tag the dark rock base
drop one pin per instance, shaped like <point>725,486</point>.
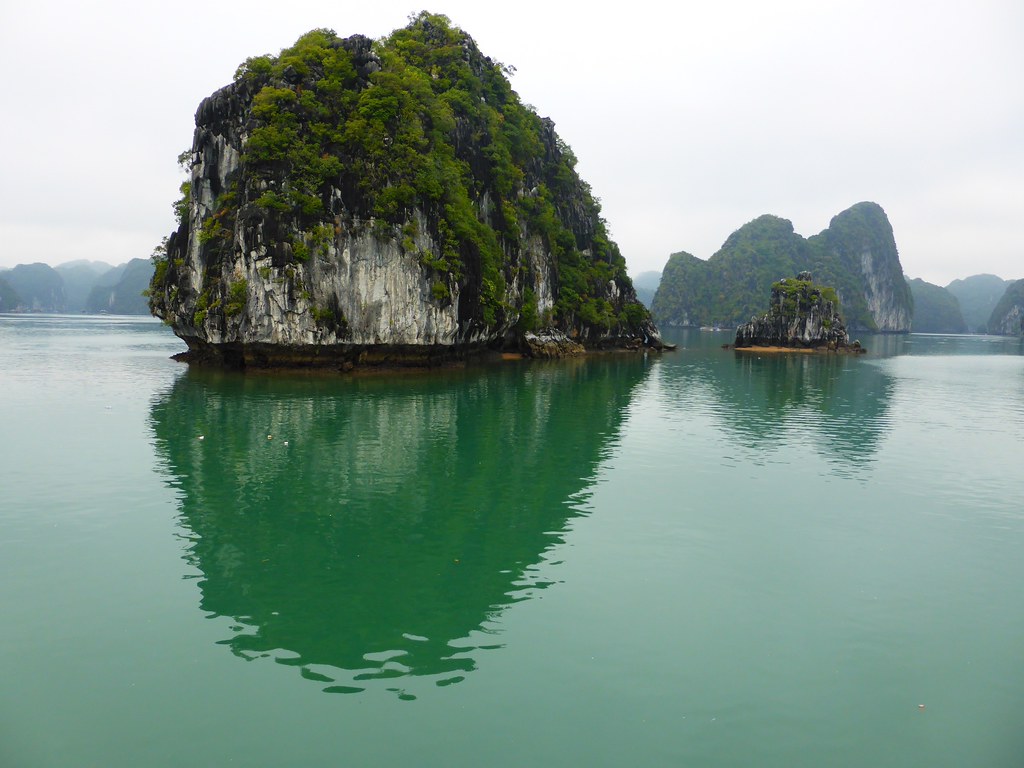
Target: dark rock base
<point>350,357</point>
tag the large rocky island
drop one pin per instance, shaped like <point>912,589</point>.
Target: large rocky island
<point>353,203</point>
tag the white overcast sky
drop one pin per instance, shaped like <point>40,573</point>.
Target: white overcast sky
<point>689,118</point>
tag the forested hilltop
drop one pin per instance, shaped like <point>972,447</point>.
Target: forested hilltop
<point>348,195</point>
<point>936,310</point>
<point>857,255</point>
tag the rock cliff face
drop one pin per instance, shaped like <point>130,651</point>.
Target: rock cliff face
<point>1008,316</point>
<point>861,239</point>
<point>857,254</point>
<point>353,203</point>
<point>800,314</point>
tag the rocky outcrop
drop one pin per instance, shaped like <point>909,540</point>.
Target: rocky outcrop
<point>800,315</point>
<point>344,206</point>
<point>551,343</point>
<point>1008,316</point>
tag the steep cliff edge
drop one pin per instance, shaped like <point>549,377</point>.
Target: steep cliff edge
<point>861,240</point>
<point>857,255</point>
<point>352,202</point>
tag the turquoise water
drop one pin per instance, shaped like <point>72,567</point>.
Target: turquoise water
<point>706,558</point>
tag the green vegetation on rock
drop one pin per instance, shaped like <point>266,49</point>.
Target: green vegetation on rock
<point>800,313</point>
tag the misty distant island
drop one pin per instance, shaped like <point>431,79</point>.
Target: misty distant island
<point>856,254</point>
<point>92,287</point>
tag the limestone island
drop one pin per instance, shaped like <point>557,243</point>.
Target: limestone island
<point>802,317</point>
<point>353,203</point>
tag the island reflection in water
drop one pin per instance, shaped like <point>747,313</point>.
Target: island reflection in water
<point>367,529</point>
<point>767,402</point>
<point>836,403</point>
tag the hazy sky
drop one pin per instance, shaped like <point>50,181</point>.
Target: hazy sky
<point>689,119</point>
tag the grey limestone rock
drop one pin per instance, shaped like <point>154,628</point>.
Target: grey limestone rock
<point>800,314</point>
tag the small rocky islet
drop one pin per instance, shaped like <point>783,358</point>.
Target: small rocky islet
<point>801,316</point>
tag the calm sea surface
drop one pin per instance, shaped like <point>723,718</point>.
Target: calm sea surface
<point>699,559</point>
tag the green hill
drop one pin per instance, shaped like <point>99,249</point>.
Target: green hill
<point>856,254</point>
<point>936,310</point>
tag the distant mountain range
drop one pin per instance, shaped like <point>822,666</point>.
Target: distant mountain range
<point>975,304</point>
<point>978,296</point>
<point>856,255</point>
<point>77,286</point>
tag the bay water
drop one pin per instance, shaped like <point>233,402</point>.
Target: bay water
<point>704,558</point>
